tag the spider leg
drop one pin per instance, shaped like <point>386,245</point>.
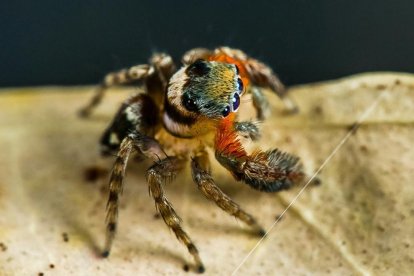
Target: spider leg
<point>194,54</point>
<point>211,191</point>
<point>156,176</point>
<point>164,168</point>
<point>115,189</point>
<point>263,76</point>
<point>260,103</point>
<point>268,171</point>
<point>151,149</point>
<point>138,113</point>
<point>160,64</point>
<point>248,130</point>
<point>115,78</point>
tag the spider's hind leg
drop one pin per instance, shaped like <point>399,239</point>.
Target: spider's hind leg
<point>160,64</point>
<point>263,76</point>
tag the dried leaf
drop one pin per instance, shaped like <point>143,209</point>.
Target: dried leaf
<point>359,221</point>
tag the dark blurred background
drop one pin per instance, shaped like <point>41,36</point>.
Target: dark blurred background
<point>77,42</point>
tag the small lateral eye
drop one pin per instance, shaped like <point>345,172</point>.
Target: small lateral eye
<point>198,68</point>
<point>237,69</point>
<point>236,101</point>
<point>240,83</point>
<point>226,111</point>
<point>189,104</point>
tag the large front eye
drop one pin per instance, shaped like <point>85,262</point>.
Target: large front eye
<point>189,104</point>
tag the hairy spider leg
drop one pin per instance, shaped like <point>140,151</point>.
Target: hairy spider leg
<point>165,168</point>
<point>206,184</point>
<point>161,66</point>
<point>267,171</point>
<point>157,175</point>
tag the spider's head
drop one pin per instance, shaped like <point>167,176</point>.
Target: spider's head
<point>200,94</point>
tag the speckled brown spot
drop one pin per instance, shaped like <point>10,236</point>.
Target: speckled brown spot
<point>318,110</point>
<point>380,228</point>
<point>288,139</point>
<point>363,148</point>
<point>316,182</point>
<point>65,237</point>
<point>3,247</point>
<point>353,128</point>
<point>381,86</point>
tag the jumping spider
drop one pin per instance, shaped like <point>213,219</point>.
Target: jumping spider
<point>179,115</point>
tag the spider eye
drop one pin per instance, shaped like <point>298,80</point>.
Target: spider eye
<point>236,101</point>
<point>226,111</point>
<point>240,83</point>
<point>198,68</point>
<point>237,69</point>
<point>189,104</point>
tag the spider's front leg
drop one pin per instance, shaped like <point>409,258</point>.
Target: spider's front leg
<point>161,67</point>
<point>205,182</point>
<point>156,177</point>
<point>267,171</point>
<point>151,149</point>
<point>164,168</point>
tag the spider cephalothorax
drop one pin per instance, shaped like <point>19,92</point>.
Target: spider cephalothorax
<point>183,112</point>
<point>200,94</point>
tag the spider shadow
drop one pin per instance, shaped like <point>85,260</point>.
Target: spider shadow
<point>158,254</point>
